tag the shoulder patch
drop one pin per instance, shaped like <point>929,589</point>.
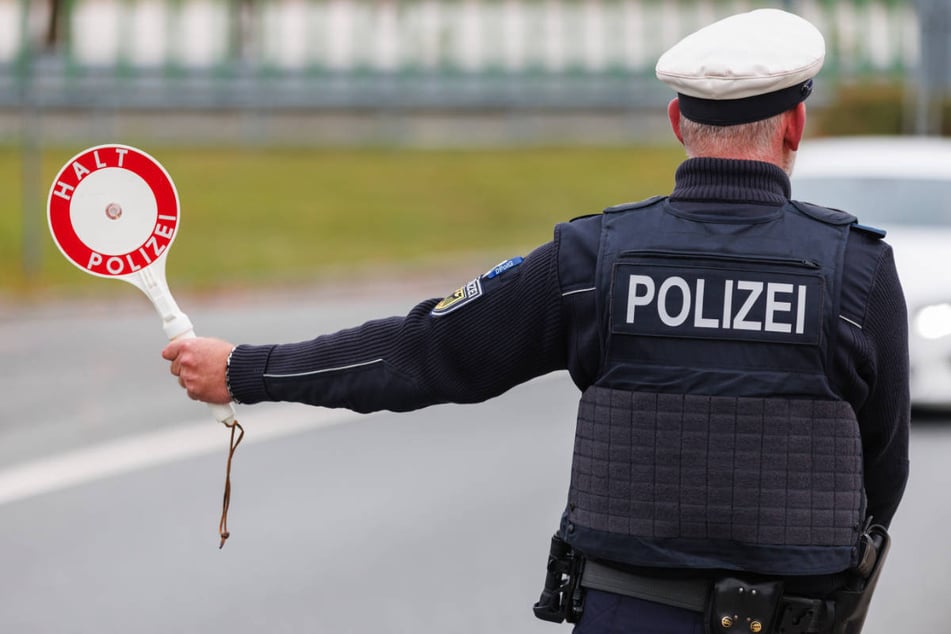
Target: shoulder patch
<point>502,267</point>
<point>463,295</point>
<point>635,205</point>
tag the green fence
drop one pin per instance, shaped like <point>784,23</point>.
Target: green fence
<point>407,53</point>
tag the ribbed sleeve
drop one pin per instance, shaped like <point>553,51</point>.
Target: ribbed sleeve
<point>885,415</point>
<point>246,373</point>
<point>509,334</point>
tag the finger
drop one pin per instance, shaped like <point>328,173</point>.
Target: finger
<point>193,392</point>
<point>172,350</point>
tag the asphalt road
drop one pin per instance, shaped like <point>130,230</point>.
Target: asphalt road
<point>432,521</point>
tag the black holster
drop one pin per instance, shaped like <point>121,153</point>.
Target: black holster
<point>761,606</point>
<point>562,598</point>
<point>852,602</point>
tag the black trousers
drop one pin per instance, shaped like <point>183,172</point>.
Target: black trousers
<point>609,613</point>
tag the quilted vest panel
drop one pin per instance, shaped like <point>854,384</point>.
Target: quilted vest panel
<point>712,436</point>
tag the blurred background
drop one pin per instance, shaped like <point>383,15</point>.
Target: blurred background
<point>337,161</point>
<point>256,91</point>
<point>405,71</point>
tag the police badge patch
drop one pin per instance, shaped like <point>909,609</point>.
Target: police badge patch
<point>460,298</point>
<point>502,267</point>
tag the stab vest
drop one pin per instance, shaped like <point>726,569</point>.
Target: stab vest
<point>712,437</point>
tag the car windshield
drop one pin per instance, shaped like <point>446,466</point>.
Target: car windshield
<point>882,202</point>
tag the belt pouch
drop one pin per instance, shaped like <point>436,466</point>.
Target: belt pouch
<point>738,606</point>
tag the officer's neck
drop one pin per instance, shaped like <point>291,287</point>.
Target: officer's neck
<point>732,180</point>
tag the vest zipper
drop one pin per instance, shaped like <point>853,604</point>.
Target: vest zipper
<point>750,259</point>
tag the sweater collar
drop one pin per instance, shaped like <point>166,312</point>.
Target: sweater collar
<point>731,180</point>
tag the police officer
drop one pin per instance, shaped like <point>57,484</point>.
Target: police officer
<point>741,357</point>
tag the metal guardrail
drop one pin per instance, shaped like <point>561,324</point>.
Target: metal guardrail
<point>403,54</point>
<point>52,85</point>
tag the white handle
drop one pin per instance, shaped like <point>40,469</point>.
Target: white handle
<point>177,325</point>
<point>224,414</point>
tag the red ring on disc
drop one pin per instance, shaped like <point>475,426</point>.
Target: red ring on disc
<point>71,178</point>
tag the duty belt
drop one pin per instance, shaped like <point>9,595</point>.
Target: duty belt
<point>690,594</point>
<point>796,615</point>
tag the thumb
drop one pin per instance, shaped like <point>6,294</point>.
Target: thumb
<point>171,350</point>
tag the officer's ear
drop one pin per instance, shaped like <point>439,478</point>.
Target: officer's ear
<point>794,121</point>
<point>673,113</point>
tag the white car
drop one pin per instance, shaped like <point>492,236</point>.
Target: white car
<point>901,185</point>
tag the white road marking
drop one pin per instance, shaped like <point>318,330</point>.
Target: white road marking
<point>188,440</point>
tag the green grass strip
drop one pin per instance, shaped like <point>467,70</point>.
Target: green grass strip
<point>253,217</point>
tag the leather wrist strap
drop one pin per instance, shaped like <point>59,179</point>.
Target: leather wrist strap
<point>226,502</point>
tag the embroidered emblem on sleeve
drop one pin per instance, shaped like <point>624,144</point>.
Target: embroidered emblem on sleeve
<point>462,296</point>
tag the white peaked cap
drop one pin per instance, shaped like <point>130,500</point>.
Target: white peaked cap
<point>745,67</point>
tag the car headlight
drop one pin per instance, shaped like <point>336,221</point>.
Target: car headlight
<point>934,321</point>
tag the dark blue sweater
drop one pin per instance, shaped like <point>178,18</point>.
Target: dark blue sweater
<point>523,323</point>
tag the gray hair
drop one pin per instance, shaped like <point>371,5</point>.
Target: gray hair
<point>754,141</point>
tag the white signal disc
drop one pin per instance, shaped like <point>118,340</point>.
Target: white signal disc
<point>113,209</point>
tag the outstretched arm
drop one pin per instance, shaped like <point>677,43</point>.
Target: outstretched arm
<point>464,351</point>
